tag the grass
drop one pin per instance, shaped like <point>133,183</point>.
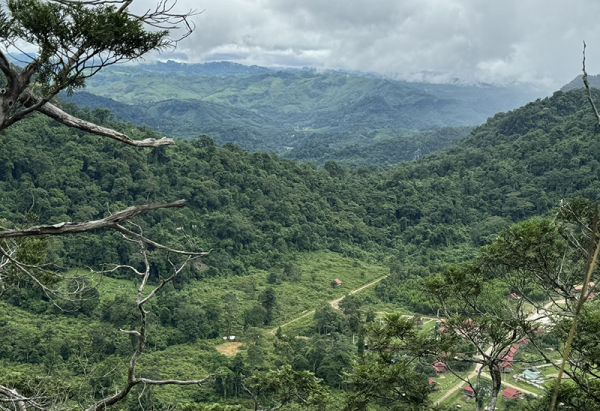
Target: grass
<point>446,383</point>
<point>294,298</point>
<point>525,386</point>
<point>109,287</point>
<point>468,404</point>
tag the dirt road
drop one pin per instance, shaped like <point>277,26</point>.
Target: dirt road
<point>334,303</point>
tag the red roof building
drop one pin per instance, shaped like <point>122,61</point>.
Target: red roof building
<point>506,367</point>
<point>578,288</point>
<point>510,353</point>
<point>338,281</point>
<point>468,391</point>
<point>511,393</point>
<point>439,367</point>
<point>515,296</point>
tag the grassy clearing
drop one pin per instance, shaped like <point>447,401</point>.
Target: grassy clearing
<point>109,287</point>
<point>229,349</point>
<point>446,382</point>
<point>294,298</point>
<point>525,386</point>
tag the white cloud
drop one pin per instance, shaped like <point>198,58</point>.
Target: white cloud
<point>474,40</point>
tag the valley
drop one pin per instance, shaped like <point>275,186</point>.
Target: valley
<point>280,232</point>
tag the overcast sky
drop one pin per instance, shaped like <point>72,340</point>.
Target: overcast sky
<point>434,40</point>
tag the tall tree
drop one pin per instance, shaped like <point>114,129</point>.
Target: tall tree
<point>73,40</point>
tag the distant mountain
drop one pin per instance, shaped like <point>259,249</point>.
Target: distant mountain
<point>265,109</point>
<point>577,82</point>
<point>19,59</point>
<point>220,69</point>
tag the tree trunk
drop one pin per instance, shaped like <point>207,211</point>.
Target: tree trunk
<point>496,383</point>
<point>478,393</point>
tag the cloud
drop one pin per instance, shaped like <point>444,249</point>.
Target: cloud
<point>536,41</point>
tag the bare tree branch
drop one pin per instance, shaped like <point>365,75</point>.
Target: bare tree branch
<point>13,396</point>
<point>71,121</point>
<point>73,228</point>
<point>141,335</point>
<point>587,87</point>
<point>134,235</point>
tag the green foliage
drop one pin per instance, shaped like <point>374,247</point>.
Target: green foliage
<point>57,29</point>
<point>286,386</point>
<point>386,376</point>
<point>258,212</point>
<point>328,320</point>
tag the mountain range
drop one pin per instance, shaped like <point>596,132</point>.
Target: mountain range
<point>291,111</point>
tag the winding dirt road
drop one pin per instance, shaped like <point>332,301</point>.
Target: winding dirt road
<point>334,303</point>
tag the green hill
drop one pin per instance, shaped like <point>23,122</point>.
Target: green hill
<point>274,226</point>
<point>256,207</point>
<point>278,111</point>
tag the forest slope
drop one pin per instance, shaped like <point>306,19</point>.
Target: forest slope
<point>273,225</point>
<point>254,208</point>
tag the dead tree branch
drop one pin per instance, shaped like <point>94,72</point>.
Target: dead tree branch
<point>142,299</point>
<point>587,87</point>
<point>108,222</point>
<point>71,121</point>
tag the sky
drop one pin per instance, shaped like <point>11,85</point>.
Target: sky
<point>492,41</point>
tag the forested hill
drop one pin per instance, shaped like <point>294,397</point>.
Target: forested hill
<point>254,209</point>
<point>279,111</point>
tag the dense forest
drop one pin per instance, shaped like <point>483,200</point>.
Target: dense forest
<point>278,230</point>
<point>255,207</point>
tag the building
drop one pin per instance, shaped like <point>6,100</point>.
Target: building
<point>532,376</point>
<point>439,367</point>
<point>578,288</point>
<point>507,357</point>
<point>506,367</point>
<point>468,391</point>
<point>511,393</point>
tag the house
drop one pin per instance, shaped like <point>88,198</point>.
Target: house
<point>434,386</point>
<point>337,282</point>
<point>511,393</point>
<point>468,391</point>
<point>439,367</point>
<point>506,367</point>
<point>515,296</point>
<point>509,354</point>
<point>532,376</point>
<point>579,287</point>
